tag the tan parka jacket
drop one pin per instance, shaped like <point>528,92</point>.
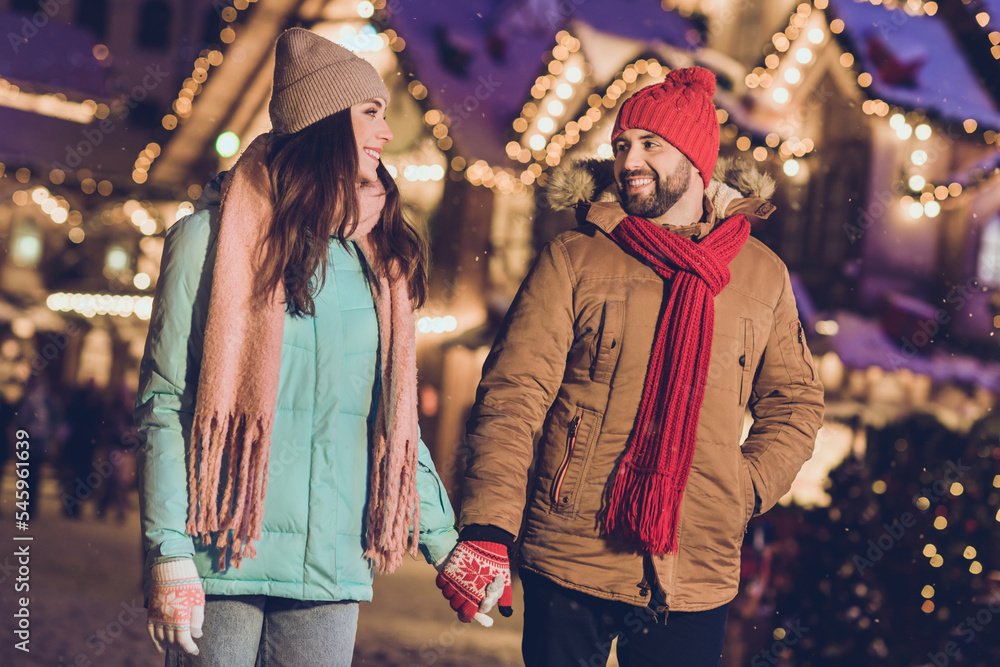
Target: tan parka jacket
<point>570,361</point>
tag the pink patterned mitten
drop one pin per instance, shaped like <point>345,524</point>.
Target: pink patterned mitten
<point>176,606</point>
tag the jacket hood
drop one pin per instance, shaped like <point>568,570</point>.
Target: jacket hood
<point>737,186</point>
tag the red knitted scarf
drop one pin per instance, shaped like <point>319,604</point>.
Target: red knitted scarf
<point>649,486</point>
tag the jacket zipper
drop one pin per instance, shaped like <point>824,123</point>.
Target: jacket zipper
<point>802,352</point>
<point>574,428</point>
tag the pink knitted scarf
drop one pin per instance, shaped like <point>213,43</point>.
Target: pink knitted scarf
<point>238,386</point>
<point>647,492</point>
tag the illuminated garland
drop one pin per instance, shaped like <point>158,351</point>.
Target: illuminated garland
<point>541,116</point>
<point>143,215</point>
<point>190,89</point>
<point>599,105</point>
<point>798,41</point>
<point>923,197</point>
<point>480,173</point>
<point>875,106</point>
<point>89,305</point>
<point>55,207</point>
<point>550,154</point>
<point>911,7</point>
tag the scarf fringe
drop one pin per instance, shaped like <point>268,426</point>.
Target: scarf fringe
<point>643,497</point>
<point>234,526</point>
<point>387,546</point>
<point>393,520</point>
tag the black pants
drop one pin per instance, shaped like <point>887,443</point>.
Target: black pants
<point>566,628</point>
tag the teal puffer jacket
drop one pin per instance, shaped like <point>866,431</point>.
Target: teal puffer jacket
<point>311,545</point>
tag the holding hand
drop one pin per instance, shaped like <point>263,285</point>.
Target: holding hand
<point>474,578</point>
<point>176,606</point>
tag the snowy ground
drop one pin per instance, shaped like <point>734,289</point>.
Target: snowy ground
<point>86,602</point>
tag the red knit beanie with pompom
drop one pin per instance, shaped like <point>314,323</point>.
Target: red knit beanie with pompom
<point>681,111</point>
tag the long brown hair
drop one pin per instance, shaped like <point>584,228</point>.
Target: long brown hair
<point>314,174</point>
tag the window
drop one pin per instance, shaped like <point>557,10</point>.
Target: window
<point>93,15</point>
<point>154,25</point>
<point>988,267</point>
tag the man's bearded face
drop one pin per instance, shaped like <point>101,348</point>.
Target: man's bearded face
<point>639,200</point>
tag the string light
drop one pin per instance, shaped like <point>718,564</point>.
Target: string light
<point>927,195</point>
<point>89,305</point>
<point>551,153</point>
<point>54,105</point>
<point>804,32</point>
<point>366,39</point>
<point>423,172</point>
<point>540,115</point>
<point>539,119</point>
<point>55,207</point>
<point>911,7</point>
<point>502,181</point>
<point>192,86</point>
<point>865,79</point>
<point>445,324</point>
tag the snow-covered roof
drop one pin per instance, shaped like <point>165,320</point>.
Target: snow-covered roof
<point>863,343</point>
<point>888,41</point>
<point>59,58</point>
<point>977,172</point>
<point>55,57</point>
<point>44,143</point>
<point>483,102</point>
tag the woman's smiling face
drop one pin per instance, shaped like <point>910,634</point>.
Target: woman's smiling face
<point>371,132</point>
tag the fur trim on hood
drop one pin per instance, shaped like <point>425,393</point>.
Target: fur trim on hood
<point>737,186</point>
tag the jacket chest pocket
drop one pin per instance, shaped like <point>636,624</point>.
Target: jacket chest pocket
<point>745,361</point>
<point>608,342</point>
<point>581,435</point>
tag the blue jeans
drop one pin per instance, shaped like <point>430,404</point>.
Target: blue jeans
<point>567,628</point>
<point>249,630</point>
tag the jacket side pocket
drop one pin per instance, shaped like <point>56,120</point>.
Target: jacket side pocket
<point>609,342</point>
<point>580,433</point>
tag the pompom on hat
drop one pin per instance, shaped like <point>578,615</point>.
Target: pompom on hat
<point>315,78</point>
<point>681,111</point>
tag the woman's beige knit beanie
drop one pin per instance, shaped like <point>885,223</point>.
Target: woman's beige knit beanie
<point>315,78</point>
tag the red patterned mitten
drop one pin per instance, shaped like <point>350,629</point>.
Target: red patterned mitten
<point>467,579</point>
<point>176,606</point>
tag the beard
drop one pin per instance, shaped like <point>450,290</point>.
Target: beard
<point>666,192</point>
